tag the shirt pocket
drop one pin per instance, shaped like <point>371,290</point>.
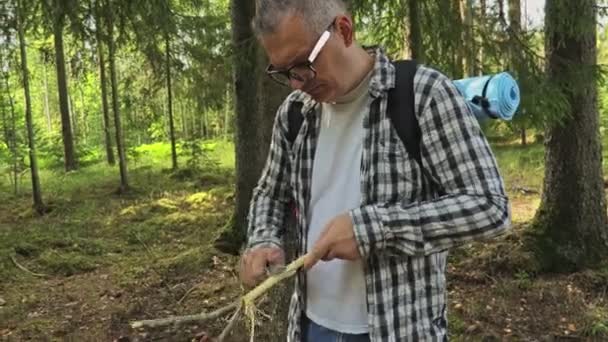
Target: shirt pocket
<point>398,176</point>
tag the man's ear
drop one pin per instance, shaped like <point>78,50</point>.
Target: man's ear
<point>343,26</point>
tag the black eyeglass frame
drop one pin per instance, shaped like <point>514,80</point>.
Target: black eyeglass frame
<point>284,77</point>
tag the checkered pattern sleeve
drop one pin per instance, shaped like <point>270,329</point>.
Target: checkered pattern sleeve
<point>269,205</point>
<point>457,155</point>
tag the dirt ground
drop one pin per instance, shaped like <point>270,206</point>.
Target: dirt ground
<point>494,295</point>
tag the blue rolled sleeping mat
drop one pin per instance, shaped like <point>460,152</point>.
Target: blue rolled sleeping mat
<point>491,96</point>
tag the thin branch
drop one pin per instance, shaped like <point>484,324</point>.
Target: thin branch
<point>230,325</point>
<point>179,302</point>
<point>153,323</point>
<point>19,266</point>
<point>247,302</point>
<point>273,280</point>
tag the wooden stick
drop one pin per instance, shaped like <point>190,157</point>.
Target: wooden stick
<point>273,280</point>
<point>188,292</point>
<point>230,324</point>
<point>247,302</point>
<point>19,266</point>
<point>153,323</point>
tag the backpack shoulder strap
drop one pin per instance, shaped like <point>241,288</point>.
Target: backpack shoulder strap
<point>402,113</point>
<point>401,109</point>
<point>294,121</point>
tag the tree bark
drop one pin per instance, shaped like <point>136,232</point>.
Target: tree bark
<point>85,116</point>
<point>36,192</point>
<point>12,137</point>
<point>415,32</point>
<point>182,115</point>
<point>466,13</point>
<point>256,100</point>
<point>516,29</point>
<point>120,146</point>
<point>456,46</point>
<point>571,226</point>
<point>47,110</point>
<point>170,101</point>
<point>104,91</point>
<point>227,110</point>
<point>245,90</point>
<point>5,129</point>
<point>74,117</point>
<point>481,19</point>
<point>62,85</point>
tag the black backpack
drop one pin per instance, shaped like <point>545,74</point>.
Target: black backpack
<point>401,110</point>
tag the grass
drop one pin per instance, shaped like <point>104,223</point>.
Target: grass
<point>149,253</point>
<point>521,166</point>
<point>89,221</point>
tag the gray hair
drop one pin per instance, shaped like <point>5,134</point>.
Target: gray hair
<point>317,14</point>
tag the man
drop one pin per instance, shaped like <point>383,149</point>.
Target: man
<point>375,224</point>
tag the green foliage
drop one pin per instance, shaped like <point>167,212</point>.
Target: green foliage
<point>66,264</point>
<point>89,226</point>
<point>597,323</point>
<point>524,166</point>
<point>194,152</point>
<point>186,263</point>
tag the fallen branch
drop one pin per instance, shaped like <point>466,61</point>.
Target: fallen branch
<point>230,325</point>
<point>179,302</point>
<point>244,304</point>
<point>19,266</point>
<point>154,323</point>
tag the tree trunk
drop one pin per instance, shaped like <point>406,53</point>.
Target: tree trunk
<point>205,125</point>
<point>12,136</point>
<point>456,45</point>
<point>515,26</point>
<point>466,13</point>
<point>36,192</point>
<point>170,101</point>
<point>62,85</point>
<point>251,90</point>
<point>415,32</point>
<point>571,226</point>
<point>245,90</point>
<point>193,121</point>
<point>5,129</point>
<point>257,99</point>
<point>182,116</point>
<point>104,91</point>
<point>47,110</point>
<point>120,146</point>
<point>481,19</point>
<point>270,96</point>
<point>227,110</point>
<point>85,116</point>
<point>74,117</point>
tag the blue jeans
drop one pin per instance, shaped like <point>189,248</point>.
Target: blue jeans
<point>316,333</point>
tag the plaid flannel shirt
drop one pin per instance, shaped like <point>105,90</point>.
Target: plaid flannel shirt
<point>403,226</point>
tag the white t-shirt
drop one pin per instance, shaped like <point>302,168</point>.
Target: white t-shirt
<point>336,295</point>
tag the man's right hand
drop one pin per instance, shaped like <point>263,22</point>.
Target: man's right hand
<point>254,263</point>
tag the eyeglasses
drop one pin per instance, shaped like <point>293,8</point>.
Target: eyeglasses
<point>302,72</point>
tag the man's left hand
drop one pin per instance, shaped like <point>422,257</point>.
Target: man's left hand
<point>336,241</point>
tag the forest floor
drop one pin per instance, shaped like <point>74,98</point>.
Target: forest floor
<point>105,259</point>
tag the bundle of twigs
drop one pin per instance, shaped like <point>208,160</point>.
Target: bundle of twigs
<point>245,304</point>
